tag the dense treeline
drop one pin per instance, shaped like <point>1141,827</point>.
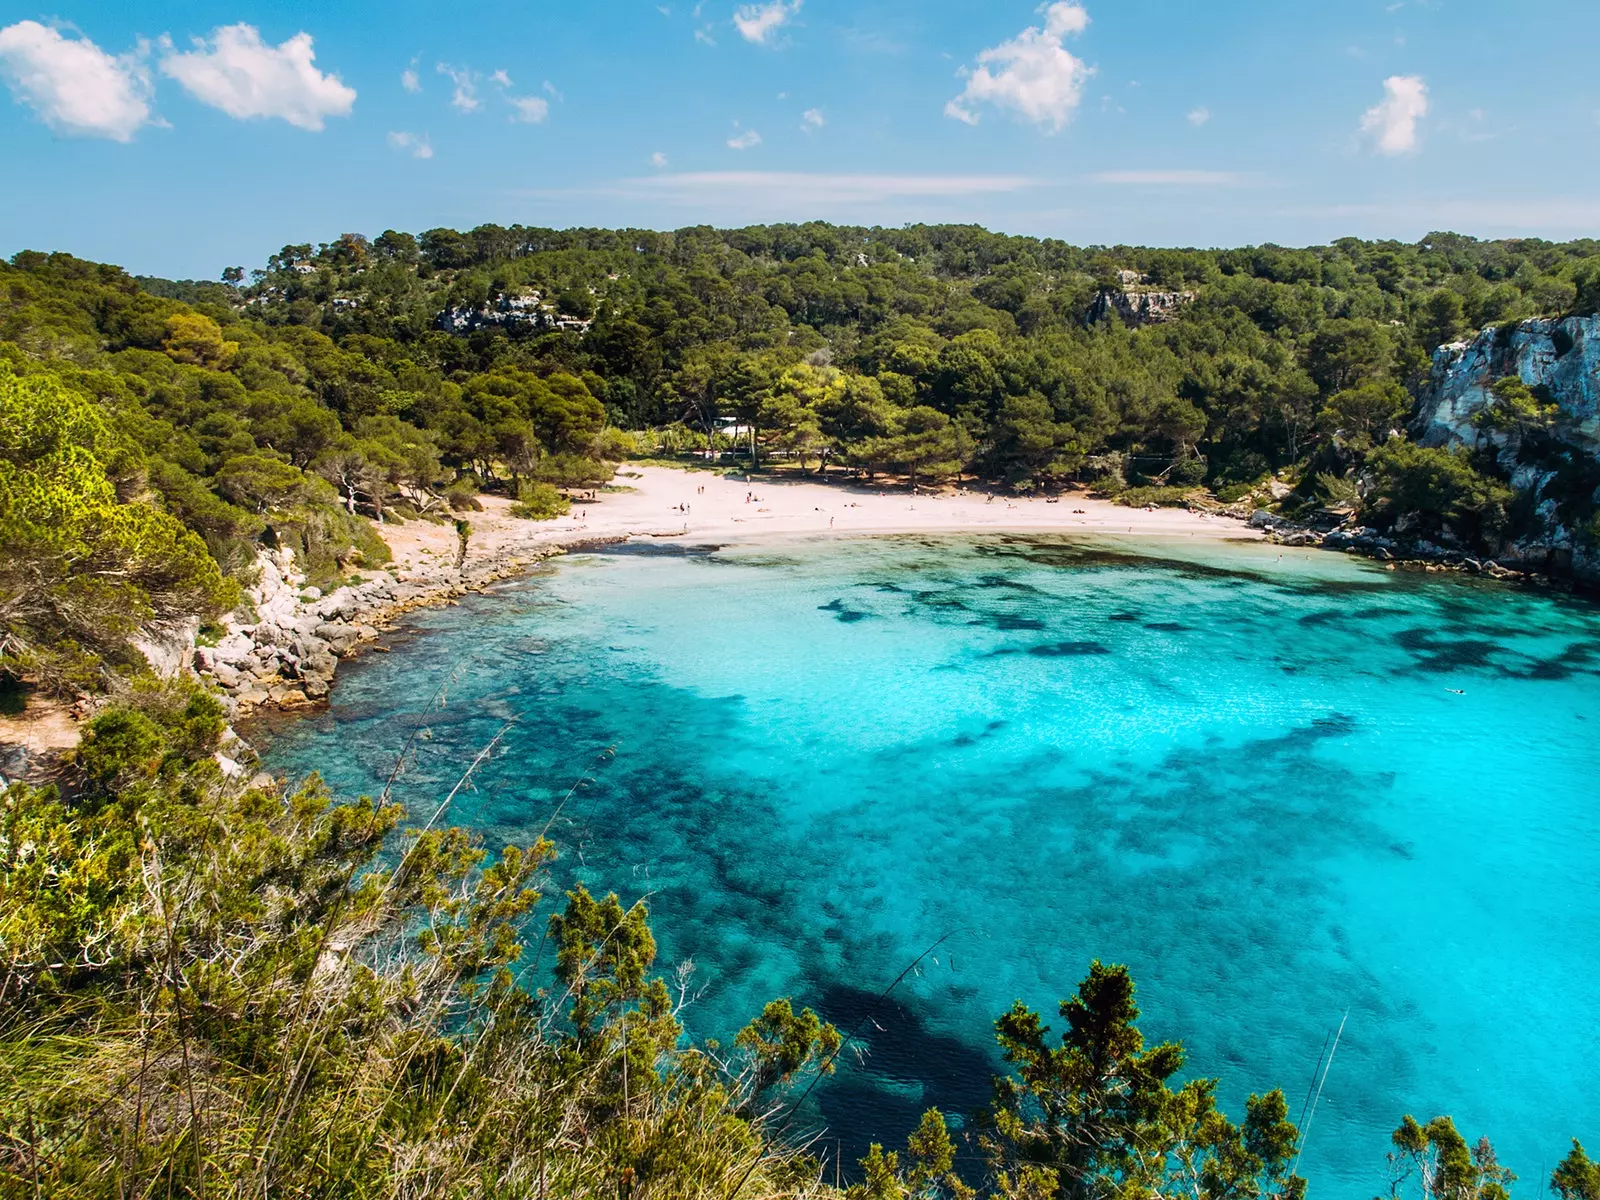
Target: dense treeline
<point>932,349</point>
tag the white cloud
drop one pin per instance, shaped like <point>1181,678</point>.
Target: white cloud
<point>1169,178</point>
<point>243,76</point>
<point>1392,125</point>
<point>704,36</point>
<point>1199,116</point>
<point>409,78</point>
<point>76,88</point>
<point>743,141</point>
<point>1032,73</point>
<point>759,23</point>
<point>528,110</point>
<point>811,119</point>
<point>500,78</point>
<point>465,96</point>
<point>414,144</point>
<point>658,159</point>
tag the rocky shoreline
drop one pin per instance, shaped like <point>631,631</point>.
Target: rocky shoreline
<point>286,658</point>
<point>1400,554</point>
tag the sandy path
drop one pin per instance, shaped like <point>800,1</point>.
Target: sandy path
<point>717,509</point>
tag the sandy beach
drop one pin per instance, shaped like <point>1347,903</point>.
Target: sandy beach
<point>708,506</point>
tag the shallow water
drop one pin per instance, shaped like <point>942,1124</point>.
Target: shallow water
<point>1243,775</point>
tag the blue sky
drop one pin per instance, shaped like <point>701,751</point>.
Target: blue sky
<point>178,138</point>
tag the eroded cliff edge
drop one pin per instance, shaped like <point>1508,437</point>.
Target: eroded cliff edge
<point>1553,464</point>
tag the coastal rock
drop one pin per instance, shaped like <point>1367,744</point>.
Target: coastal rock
<point>288,655</point>
<point>234,648</point>
<point>318,666</point>
<point>169,649</point>
<point>286,695</point>
<point>342,605</point>
<point>339,638</point>
<point>1562,357</point>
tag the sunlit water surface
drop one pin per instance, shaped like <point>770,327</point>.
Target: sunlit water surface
<point>1241,771</point>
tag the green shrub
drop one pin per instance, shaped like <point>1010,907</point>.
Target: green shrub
<point>1243,466</point>
<point>616,445</point>
<point>1162,497</point>
<point>462,496</point>
<point>1336,489</point>
<point>571,470</point>
<point>540,502</point>
<point>1440,491</point>
<point>1188,472</point>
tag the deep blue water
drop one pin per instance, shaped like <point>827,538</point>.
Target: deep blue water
<point>1242,774</point>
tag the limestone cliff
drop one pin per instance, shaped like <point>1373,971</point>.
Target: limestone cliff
<point>1139,306</point>
<point>1561,356</point>
<point>1555,474</point>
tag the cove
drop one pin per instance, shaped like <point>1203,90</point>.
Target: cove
<point>1240,770</point>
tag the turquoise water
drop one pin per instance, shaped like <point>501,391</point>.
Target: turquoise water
<point>1242,774</point>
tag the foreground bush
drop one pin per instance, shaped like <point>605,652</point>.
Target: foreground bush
<point>217,990</point>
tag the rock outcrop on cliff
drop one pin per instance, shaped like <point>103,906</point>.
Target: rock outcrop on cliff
<point>1138,306</point>
<point>1557,472</point>
<point>1560,356</point>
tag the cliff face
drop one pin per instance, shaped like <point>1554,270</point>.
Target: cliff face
<point>1561,356</point>
<point>1562,360</point>
<point>1138,307</point>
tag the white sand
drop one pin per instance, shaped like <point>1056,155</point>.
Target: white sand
<point>717,510</point>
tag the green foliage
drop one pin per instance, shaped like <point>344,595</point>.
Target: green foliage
<point>1337,489</point>
<point>1578,1176</point>
<point>1364,416</point>
<point>1161,497</point>
<point>929,1172</point>
<point>540,502</point>
<point>1444,1165</point>
<point>1515,408</point>
<point>1437,492</point>
<point>81,567</point>
<point>1096,1116</point>
<point>781,1043</point>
